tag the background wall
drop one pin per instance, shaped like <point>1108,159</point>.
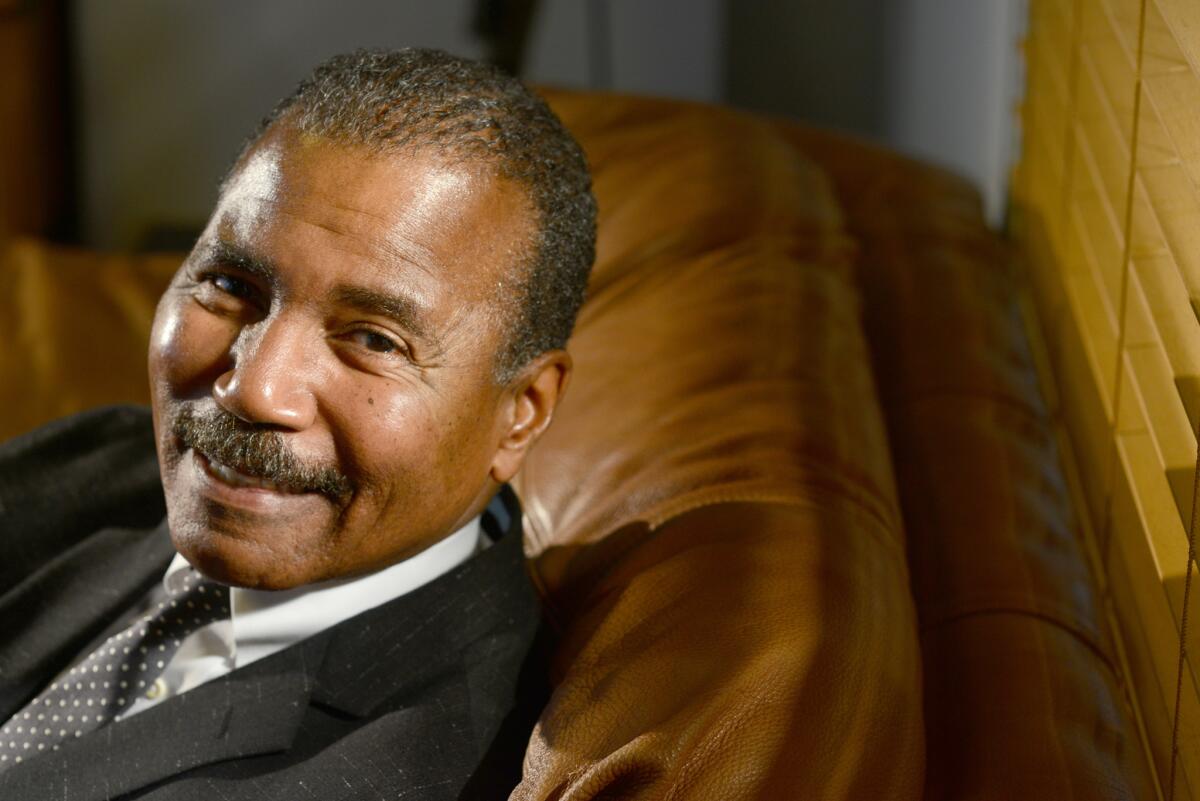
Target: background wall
<point>952,85</point>
<point>821,62</point>
<point>165,90</point>
<point>936,79</point>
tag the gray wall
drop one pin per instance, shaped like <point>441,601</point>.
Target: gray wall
<point>936,79</point>
<point>953,83</point>
<point>822,62</point>
<point>167,89</point>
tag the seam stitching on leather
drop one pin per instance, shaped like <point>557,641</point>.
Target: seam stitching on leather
<point>666,512</point>
<point>1045,617</point>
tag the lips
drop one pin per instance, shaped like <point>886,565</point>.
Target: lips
<point>235,478</point>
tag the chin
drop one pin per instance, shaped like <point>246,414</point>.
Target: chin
<point>246,538</point>
<point>238,560</point>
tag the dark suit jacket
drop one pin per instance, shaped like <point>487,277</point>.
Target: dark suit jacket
<point>417,698</point>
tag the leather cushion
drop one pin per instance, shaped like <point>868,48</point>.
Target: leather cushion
<point>1024,695</point>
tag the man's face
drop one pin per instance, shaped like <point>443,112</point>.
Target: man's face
<point>322,363</point>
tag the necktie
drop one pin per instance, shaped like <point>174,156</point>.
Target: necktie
<point>110,678</point>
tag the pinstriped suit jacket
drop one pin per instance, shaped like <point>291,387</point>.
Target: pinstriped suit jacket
<point>430,696</point>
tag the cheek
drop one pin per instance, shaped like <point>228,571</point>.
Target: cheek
<point>400,427</point>
<point>420,437</point>
<point>188,347</point>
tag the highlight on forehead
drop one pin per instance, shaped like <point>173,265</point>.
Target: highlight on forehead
<point>425,204</point>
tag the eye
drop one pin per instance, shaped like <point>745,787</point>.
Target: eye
<point>376,342</point>
<point>226,293</point>
<point>229,284</point>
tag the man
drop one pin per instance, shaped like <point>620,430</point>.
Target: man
<point>356,356</point>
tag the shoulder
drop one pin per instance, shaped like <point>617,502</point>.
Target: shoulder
<point>108,428</point>
<point>78,474</point>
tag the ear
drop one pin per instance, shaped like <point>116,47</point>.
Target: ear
<point>532,398</point>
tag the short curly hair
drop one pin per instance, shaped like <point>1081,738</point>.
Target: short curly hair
<point>392,100</point>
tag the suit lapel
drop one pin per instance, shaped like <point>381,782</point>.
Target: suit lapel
<point>52,616</point>
<point>79,500</point>
<point>255,710</point>
<point>407,642</point>
<point>377,657</point>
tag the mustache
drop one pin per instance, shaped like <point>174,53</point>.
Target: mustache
<point>256,451</point>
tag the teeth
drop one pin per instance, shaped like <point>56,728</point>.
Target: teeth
<point>236,479</point>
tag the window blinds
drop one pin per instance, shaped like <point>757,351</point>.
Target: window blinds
<point>1106,201</point>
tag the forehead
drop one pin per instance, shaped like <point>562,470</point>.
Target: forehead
<point>433,222</point>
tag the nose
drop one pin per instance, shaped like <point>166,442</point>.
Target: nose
<point>268,382</point>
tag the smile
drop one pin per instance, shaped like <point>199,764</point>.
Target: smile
<point>235,478</point>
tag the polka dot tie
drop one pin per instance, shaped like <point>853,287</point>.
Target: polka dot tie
<point>113,676</point>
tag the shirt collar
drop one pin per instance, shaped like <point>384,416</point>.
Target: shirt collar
<point>267,621</point>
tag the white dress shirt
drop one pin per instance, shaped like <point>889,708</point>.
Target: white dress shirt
<point>263,622</point>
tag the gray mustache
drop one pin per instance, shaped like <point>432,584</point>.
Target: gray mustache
<point>255,451</point>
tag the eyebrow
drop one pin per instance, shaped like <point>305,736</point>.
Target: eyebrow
<point>228,253</point>
<point>404,311</point>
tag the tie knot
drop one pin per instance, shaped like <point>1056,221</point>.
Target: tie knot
<point>191,584</point>
<point>194,597</point>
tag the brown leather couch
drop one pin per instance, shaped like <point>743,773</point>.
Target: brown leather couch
<point>800,521</point>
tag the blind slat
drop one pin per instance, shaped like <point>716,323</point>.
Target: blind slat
<point>1176,213</point>
<point>1160,50</point>
<point>1181,21</point>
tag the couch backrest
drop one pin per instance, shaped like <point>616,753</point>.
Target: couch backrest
<point>75,326</point>
<point>1024,691</point>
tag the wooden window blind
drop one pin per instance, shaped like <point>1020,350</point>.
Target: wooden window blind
<point>1106,203</point>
